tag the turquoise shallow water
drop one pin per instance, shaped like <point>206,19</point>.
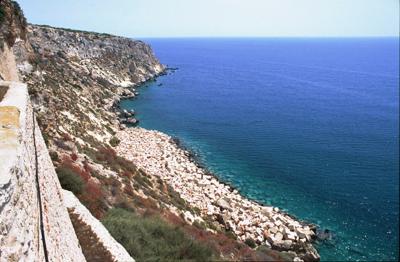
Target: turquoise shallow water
<point>309,125</point>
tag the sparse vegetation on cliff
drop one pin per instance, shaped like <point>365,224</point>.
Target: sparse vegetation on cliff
<point>2,14</point>
<point>114,141</point>
<point>69,180</point>
<point>152,239</point>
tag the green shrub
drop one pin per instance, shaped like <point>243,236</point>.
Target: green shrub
<point>2,14</point>
<point>110,130</point>
<point>114,141</point>
<point>152,239</point>
<point>200,225</point>
<point>54,156</point>
<point>69,180</point>
<point>250,242</point>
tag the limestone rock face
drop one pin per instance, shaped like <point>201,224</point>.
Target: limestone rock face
<point>119,60</point>
<point>75,80</point>
<point>76,77</point>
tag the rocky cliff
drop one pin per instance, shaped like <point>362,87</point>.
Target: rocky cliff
<point>32,213</point>
<point>76,77</point>
<point>35,224</point>
<point>75,80</point>
<point>12,28</point>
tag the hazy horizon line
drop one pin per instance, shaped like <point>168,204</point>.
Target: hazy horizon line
<point>277,36</point>
<point>204,36</point>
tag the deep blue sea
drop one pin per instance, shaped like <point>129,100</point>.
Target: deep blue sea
<point>308,125</point>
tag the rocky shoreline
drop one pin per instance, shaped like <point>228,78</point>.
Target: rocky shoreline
<point>159,155</point>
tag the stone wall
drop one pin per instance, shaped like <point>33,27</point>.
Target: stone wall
<point>24,161</point>
<point>97,243</point>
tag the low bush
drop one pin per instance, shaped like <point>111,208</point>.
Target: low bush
<point>74,157</point>
<point>114,141</point>
<point>200,225</point>
<point>94,199</point>
<point>152,239</point>
<point>250,242</point>
<point>69,180</point>
<point>2,14</point>
<point>109,158</point>
<point>54,156</point>
<point>62,144</point>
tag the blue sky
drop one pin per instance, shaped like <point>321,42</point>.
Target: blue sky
<point>223,18</point>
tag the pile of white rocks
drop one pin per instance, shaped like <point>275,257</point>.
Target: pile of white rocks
<point>158,155</point>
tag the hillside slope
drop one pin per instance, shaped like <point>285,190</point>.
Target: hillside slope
<point>76,80</point>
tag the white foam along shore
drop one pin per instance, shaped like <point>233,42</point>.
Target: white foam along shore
<point>158,155</point>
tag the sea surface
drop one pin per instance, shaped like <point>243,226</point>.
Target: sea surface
<point>309,125</point>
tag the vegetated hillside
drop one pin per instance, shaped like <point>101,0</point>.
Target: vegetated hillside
<point>75,79</point>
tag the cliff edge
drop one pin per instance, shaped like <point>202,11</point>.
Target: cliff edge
<point>35,224</point>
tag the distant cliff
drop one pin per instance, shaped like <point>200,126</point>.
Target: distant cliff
<point>75,78</point>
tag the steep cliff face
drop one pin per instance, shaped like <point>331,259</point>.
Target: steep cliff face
<point>75,80</point>
<point>34,222</point>
<point>12,23</point>
<point>32,213</point>
<point>75,77</point>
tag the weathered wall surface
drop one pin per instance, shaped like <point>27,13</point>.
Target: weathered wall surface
<point>23,158</point>
<point>19,219</point>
